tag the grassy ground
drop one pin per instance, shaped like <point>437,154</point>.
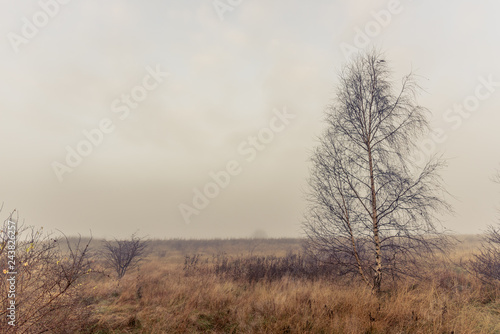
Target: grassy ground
<point>165,295</point>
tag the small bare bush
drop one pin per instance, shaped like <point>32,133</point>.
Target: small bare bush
<point>122,255</point>
<point>486,263</point>
<point>47,289</point>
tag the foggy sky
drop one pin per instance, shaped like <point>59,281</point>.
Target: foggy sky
<point>226,81</point>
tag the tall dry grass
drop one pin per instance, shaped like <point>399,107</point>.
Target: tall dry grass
<point>166,296</point>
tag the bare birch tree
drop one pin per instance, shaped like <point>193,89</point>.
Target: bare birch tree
<point>371,211</point>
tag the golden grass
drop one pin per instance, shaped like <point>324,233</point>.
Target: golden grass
<point>161,297</point>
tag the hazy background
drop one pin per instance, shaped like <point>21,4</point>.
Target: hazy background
<point>226,77</point>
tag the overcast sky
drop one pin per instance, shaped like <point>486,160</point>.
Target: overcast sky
<point>236,69</point>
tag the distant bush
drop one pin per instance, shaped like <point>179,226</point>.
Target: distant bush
<point>122,255</point>
<point>271,268</point>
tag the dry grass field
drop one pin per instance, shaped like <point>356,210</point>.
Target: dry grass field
<point>241,286</point>
<point>251,286</point>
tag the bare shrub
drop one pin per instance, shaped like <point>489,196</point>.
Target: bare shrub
<point>48,293</point>
<point>486,263</point>
<point>271,268</point>
<point>122,255</point>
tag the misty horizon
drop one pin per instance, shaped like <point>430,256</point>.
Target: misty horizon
<point>195,120</point>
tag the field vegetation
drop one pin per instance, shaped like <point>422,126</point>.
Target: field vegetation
<point>268,286</point>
